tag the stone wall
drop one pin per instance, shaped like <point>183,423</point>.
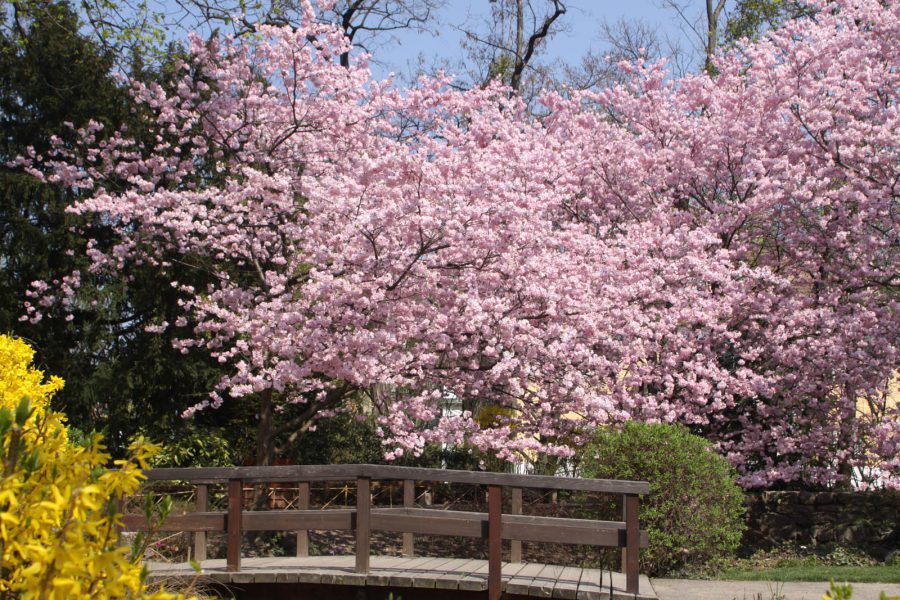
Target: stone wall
<point>869,520</point>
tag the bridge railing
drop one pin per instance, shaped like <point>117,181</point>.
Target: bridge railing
<point>494,526</point>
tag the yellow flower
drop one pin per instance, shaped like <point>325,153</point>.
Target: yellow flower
<point>56,534</point>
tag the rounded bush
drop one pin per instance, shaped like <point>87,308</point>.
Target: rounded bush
<point>695,510</point>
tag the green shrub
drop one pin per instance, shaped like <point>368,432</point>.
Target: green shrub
<point>195,448</point>
<point>694,512</point>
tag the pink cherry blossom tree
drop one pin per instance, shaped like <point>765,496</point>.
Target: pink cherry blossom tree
<point>789,157</point>
<point>719,252</point>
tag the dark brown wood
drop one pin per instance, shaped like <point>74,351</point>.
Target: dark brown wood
<point>409,499</point>
<point>270,520</point>
<point>630,557</point>
<point>363,523</point>
<point>415,520</point>
<point>515,546</point>
<point>208,521</point>
<point>233,548</point>
<point>274,474</point>
<point>293,520</point>
<point>201,502</point>
<point>303,504</point>
<point>554,530</point>
<point>495,544</point>
<point>430,522</point>
<point>494,526</point>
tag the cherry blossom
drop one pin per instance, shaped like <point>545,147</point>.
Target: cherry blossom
<point>715,251</point>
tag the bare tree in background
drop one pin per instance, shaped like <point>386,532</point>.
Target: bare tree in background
<point>628,40</point>
<point>517,33</point>
<point>705,27</point>
<point>368,24</point>
<point>365,22</point>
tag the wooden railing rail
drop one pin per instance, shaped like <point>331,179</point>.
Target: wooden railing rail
<point>408,520</point>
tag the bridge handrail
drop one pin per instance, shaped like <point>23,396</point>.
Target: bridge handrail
<point>493,526</point>
<point>295,473</point>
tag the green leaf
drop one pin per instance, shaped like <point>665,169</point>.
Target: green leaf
<point>23,411</point>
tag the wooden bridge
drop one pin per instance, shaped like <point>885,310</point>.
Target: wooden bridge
<point>363,571</point>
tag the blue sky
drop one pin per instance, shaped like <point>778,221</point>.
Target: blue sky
<point>583,20</point>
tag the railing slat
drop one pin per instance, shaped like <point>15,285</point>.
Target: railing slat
<point>233,549</point>
<point>515,546</point>
<point>495,547</point>
<point>363,523</point>
<point>303,504</point>
<point>409,499</point>
<point>291,474</point>
<point>202,505</point>
<point>630,556</point>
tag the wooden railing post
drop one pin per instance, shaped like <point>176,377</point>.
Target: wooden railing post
<point>363,523</point>
<point>630,563</point>
<point>409,500</point>
<point>515,546</point>
<point>233,550</point>
<point>202,504</point>
<point>495,547</point>
<point>303,504</point>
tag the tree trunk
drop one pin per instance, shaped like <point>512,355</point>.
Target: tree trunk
<point>265,433</point>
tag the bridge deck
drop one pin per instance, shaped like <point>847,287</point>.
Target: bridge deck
<point>519,579</point>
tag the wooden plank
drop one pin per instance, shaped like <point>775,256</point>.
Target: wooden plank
<point>590,585</point>
<point>544,582</point>
<point>409,499</point>
<point>435,569</point>
<point>630,559</point>
<point>521,582</point>
<point>454,571</point>
<point>233,549</point>
<point>286,577</point>
<point>406,573</point>
<point>292,520</point>
<point>363,523</point>
<point>349,472</point>
<point>264,577</point>
<point>205,521</point>
<point>201,505</point>
<point>430,521</point>
<point>381,569</point>
<point>495,541</point>
<point>514,527</point>
<point>269,474</point>
<point>515,546</point>
<point>510,571</point>
<point>269,520</point>
<point>303,532</point>
<point>567,583</point>
<point>567,531</point>
<point>477,579</point>
<point>341,571</point>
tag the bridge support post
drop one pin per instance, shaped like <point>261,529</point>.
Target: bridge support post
<point>303,504</point>
<point>233,549</point>
<point>363,523</point>
<point>409,500</point>
<point>202,502</point>
<point>495,542</point>
<point>630,563</point>
<point>515,546</point>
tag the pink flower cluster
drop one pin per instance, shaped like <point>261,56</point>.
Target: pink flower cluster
<point>720,252</point>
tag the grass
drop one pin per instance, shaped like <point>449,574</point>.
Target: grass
<point>867,574</point>
<point>798,563</point>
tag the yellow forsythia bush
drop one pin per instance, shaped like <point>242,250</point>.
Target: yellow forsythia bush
<point>58,506</point>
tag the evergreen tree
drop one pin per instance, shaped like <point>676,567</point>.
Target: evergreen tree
<point>120,377</point>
